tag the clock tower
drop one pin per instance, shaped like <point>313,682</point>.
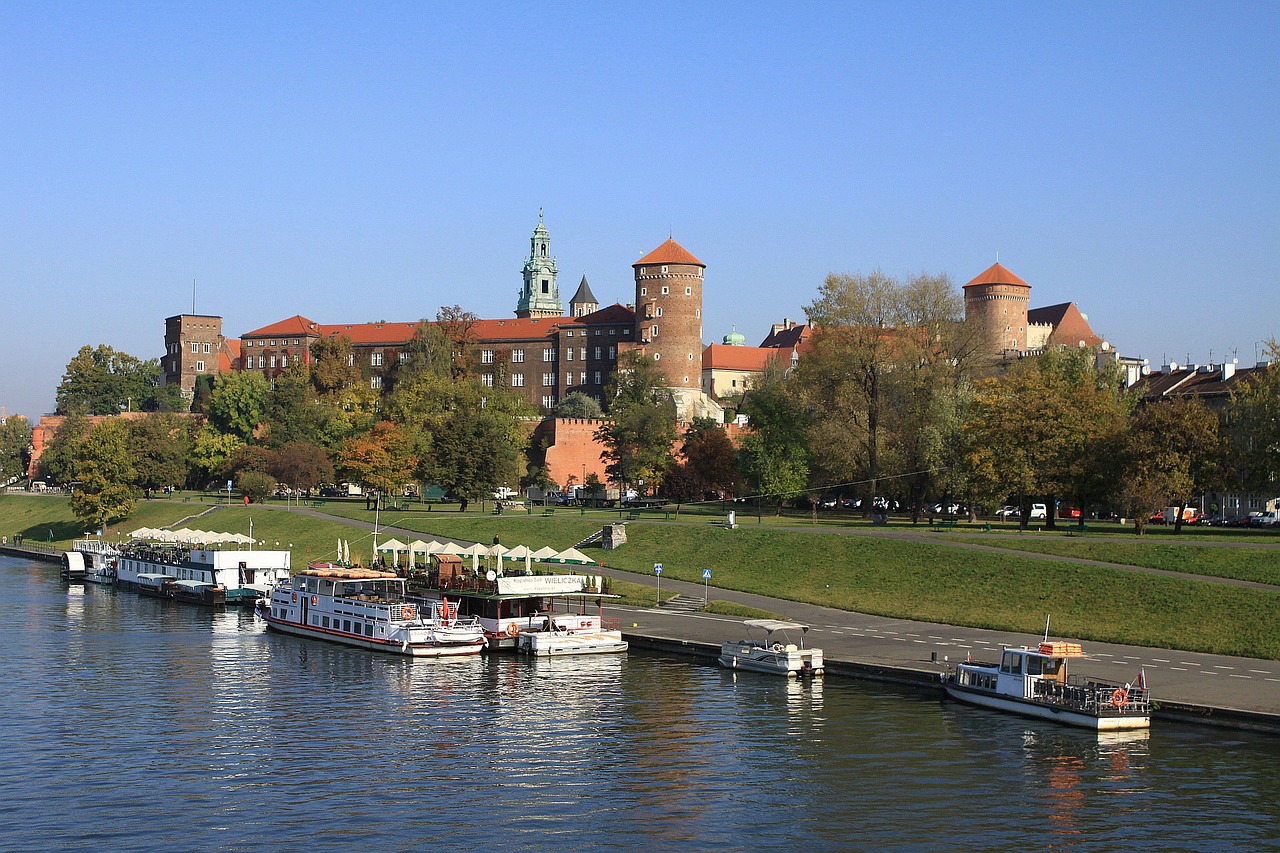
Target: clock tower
<point>540,296</point>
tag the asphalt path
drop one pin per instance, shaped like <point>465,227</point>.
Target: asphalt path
<point>1193,678</point>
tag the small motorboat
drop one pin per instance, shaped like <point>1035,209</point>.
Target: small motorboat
<point>763,652</point>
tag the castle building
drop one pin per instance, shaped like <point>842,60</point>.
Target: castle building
<point>583,301</point>
<point>996,303</point>
<point>194,346</point>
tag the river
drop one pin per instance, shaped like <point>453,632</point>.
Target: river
<point>136,724</point>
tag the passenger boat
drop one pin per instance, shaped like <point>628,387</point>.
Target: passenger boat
<point>368,609</point>
<point>762,653</point>
<point>1034,682</point>
<point>195,592</point>
<point>245,576</point>
<point>91,560</point>
<point>545,615</point>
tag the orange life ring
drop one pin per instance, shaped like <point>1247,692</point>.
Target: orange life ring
<point>513,629</point>
<point>406,612</point>
<point>295,598</point>
<point>1119,697</point>
<point>315,599</point>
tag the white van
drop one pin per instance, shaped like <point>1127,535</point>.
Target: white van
<point>1038,511</point>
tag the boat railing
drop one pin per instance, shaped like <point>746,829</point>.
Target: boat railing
<point>1096,696</point>
<point>95,546</point>
<point>611,624</point>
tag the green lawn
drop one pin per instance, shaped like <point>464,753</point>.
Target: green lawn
<point>1261,565</point>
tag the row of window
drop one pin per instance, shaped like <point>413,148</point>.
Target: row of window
<point>284,342</point>
<point>548,379</point>
<point>666,291</point>
<point>568,333</point>
<point>487,356</point>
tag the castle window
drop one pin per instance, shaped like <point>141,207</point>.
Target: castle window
<point>195,347</point>
<point>597,377</point>
<point>548,354</point>
<point>351,359</point>
<point>546,286</point>
<point>613,353</point>
<point>517,355</point>
<point>199,367</point>
<point>659,310</point>
<point>697,313</point>
<point>665,291</point>
<point>375,359</point>
<point>273,361</point>
<point>517,380</point>
<point>597,353</point>
<point>664,272</point>
<point>486,379</point>
<point>626,332</point>
<point>295,342</point>
<point>206,349</point>
<point>582,354</point>
<point>548,401</point>
<point>262,361</point>
<point>613,332</point>
<point>375,382</point>
<point>691,356</point>
<point>597,333</point>
<point>653,333</point>
<point>688,291</point>
<point>657,356</point>
<point>284,361</point>
<point>548,379</point>
<point>644,291</point>
<point>486,356</point>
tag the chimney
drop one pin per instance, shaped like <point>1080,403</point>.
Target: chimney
<point>1228,370</point>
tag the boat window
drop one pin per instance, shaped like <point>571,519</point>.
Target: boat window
<point>1052,666</point>
<point>1033,665</point>
<point>1011,663</point>
<point>325,621</point>
<point>368,629</point>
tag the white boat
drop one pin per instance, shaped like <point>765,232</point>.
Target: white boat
<point>763,653</point>
<point>93,560</point>
<point>244,575</point>
<point>368,609</point>
<point>1034,682</point>
<point>544,615</point>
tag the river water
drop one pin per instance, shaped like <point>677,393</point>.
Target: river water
<point>135,724</point>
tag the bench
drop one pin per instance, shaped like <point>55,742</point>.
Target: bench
<point>317,503</point>
<point>944,524</point>
<point>549,511</point>
<point>633,516</point>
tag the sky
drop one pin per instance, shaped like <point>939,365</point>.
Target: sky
<point>363,162</point>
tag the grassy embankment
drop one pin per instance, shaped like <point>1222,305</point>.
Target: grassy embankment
<point>903,579</point>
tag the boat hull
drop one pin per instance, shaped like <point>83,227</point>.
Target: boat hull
<point>790,662</point>
<point>417,650</point>
<point>1042,711</point>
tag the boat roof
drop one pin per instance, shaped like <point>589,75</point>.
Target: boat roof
<point>772,625</point>
<point>186,584</point>
<point>342,573</point>
<point>154,575</point>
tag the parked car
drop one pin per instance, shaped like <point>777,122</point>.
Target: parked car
<point>1068,512</point>
<point>1266,519</point>
<point>1038,511</point>
<point>1008,511</point>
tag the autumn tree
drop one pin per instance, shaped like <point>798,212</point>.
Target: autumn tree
<point>879,341</point>
<point>301,465</point>
<point>57,462</point>
<point>1171,451</point>
<point>333,368</point>
<point>578,405</point>
<point>459,329</point>
<point>381,459</point>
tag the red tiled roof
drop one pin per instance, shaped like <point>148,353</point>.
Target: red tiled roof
<point>726,357</point>
<point>229,356</point>
<point>997,274</point>
<point>517,328</point>
<point>372,333</point>
<point>1070,327</point>
<point>615,313</point>
<point>295,325</point>
<point>669,252</point>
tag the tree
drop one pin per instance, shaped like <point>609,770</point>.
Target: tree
<point>428,352</point>
<point>161,444</point>
<point>1253,419</point>
<point>333,368</point>
<point>879,341</point>
<point>382,459</point>
<point>301,465</point>
<point>1174,448</point>
<point>15,447</point>
<point>1044,428</point>
<point>708,463</point>
<point>57,462</point>
<point>256,486</point>
<point>458,328</point>
<point>774,454</point>
<point>640,428</point>
<point>210,451</point>
<point>104,475</point>
<point>238,403</point>
<point>102,381</point>
<point>579,405</point>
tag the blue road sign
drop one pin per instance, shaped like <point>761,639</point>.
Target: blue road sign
<point>657,568</point>
<point>706,574</point>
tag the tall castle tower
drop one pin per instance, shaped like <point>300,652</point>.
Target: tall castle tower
<point>541,295</point>
<point>669,313</point>
<point>996,303</point>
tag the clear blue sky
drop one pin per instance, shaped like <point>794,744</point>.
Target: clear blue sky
<point>357,162</point>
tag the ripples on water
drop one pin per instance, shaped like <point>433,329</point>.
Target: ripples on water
<point>136,724</point>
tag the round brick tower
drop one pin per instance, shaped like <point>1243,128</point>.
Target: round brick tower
<point>669,313</point>
<point>996,302</point>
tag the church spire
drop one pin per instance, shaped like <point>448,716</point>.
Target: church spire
<point>540,296</point>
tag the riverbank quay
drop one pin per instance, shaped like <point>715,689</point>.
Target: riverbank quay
<point>1189,687</point>
<point>33,551</point>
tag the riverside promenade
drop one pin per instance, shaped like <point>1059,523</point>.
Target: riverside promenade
<point>1186,686</point>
